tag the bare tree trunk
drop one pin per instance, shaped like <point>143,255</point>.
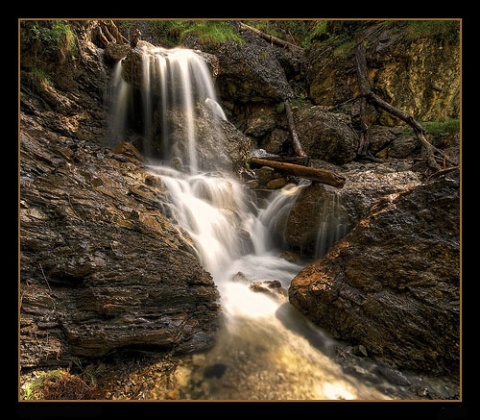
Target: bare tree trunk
<point>104,32</point>
<point>323,176</point>
<point>363,146</point>
<point>297,146</point>
<point>120,39</point>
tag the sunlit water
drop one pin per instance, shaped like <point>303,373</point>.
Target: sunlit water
<point>265,349</point>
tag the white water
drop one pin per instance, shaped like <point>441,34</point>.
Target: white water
<point>172,79</point>
<point>268,350</point>
<point>332,224</point>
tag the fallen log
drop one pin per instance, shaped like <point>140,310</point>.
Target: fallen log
<point>323,176</point>
<point>304,161</point>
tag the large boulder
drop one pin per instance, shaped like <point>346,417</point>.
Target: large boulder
<point>251,73</point>
<point>326,135</point>
<point>316,221</point>
<point>218,144</point>
<point>323,134</point>
<point>321,215</point>
<point>393,283</point>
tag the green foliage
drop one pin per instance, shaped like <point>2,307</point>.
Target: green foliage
<point>212,32</point>
<point>33,390</point>
<point>40,77</point>
<point>54,36</point>
<point>319,28</point>
<point>57,384</point>
<point>298,102</point>
<point>440,128</point>
<point>344,49</point>
<point>171,33</point>
<point>342,43</point>
<point>127,25</point>
<point>168,31</point>
<point>446,29</point>
<point>291,30</point>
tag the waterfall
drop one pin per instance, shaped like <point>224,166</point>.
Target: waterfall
<point>120,91</point>
<point>266,349</point>
<point>172,81</point>
<point>332,224</point>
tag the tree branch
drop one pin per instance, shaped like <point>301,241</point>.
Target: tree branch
<point>372,98</point>
<point>271,38</point>
<point>297,146</point>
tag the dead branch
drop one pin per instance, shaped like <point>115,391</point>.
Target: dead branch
<point>297,146</point>
<point>372,98</point>
<point>271,38</point>
<point>119,38</point>
<point>104,30</point>
<point>339,105</point>
<point>363,144</point>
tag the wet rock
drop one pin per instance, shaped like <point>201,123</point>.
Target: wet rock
<point>214,371</point>
<point>240,277</point>
<point>264,175</point>
<point>361,350</point>
<point>132,65</point>
<point>271,287</point>
<point>316,221</point>
<point>102,268</point>
<point>276,183</point>
<point>219,145</point>
<point>115,52</point>
<point>392,284</point>
<point>251,73</point>
<point>393,376</point>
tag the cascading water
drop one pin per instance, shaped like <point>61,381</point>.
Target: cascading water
<point>332,224</point>
<point>265,349</point>
<point>172,80</point>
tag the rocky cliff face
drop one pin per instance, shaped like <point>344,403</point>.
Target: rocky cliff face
<point>103,264</point>
<point>416,73</point>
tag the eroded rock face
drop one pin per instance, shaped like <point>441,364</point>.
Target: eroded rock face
<point>251,73</point>
<point>419,75</point>
<point>103,265</point>
<point>392,284</point>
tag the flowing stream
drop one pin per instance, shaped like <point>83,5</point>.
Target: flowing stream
<point>265,349</point>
